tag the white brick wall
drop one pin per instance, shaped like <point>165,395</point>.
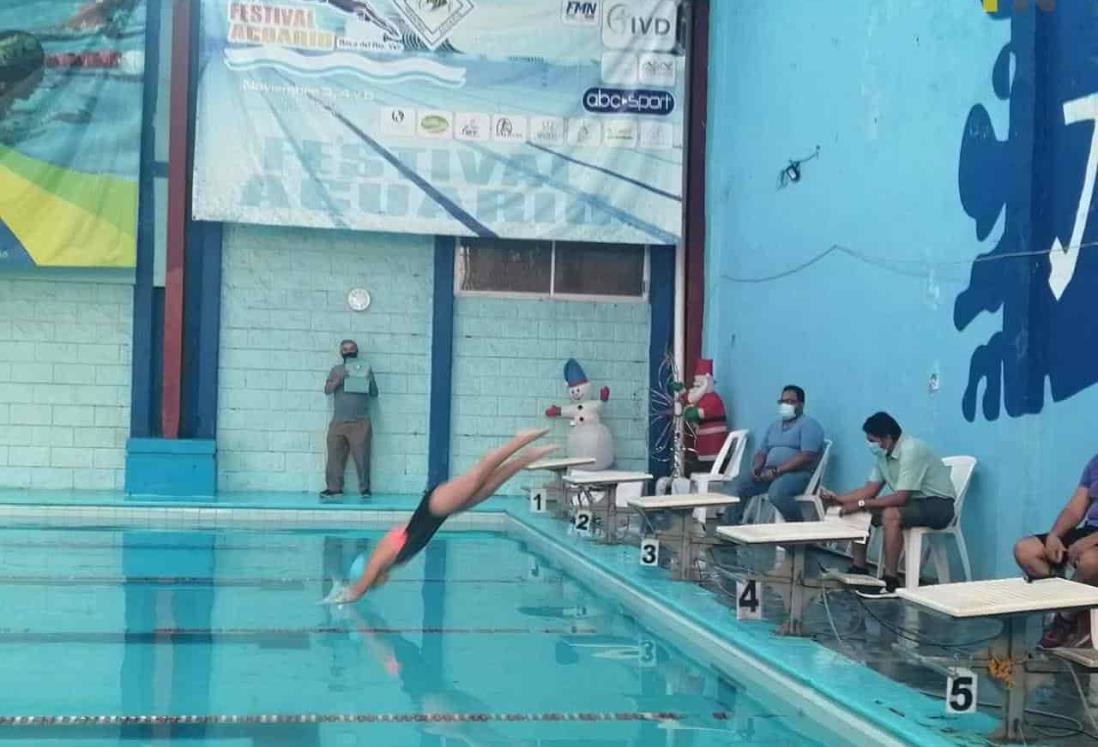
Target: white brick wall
<point>64,382</point>
<point>509,360</point>
<point>284,311</point>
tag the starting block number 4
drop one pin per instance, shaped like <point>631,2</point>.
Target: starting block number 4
<point>748,602</point>
<point>537,501</point>
<point>650,552</point>
<point>961,691</point>
<point>584,522</point>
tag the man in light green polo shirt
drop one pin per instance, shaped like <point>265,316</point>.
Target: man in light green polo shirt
<point>921,494</point>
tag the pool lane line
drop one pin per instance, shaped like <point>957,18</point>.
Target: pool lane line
<point>271,584</point>
<point>65,546</point>
<point>251,635</point>
<point>354,718</point>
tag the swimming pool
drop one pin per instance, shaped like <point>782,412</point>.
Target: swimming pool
<point>213,637</point>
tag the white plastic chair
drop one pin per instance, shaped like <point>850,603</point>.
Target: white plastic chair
<point>726,467</point>
<point>960,474</point>
<point>811,492</point>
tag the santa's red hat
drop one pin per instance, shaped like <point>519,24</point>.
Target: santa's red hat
<point>704,367</point>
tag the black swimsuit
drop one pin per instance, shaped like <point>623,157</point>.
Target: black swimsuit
<point>421,528</point>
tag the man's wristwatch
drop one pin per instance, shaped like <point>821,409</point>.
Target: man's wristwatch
<point>861,503</point>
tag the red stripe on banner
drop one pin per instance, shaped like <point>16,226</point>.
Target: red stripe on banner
<point>178,193</point>
<point>343,718</point>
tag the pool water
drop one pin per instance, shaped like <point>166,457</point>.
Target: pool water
<point>115,637</point>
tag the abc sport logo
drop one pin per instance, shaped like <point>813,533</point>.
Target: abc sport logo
<point>619,101</point>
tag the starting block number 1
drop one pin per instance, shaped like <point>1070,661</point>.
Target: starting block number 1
<point>961,691</point>
<point>748,603</point>
<point>650,552</point>
<point>537,501</point>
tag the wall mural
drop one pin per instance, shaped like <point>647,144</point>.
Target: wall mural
<point>1042,275</point>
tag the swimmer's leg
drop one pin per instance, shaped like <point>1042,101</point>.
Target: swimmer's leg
<point>506,471</point>
<point>452,495</point>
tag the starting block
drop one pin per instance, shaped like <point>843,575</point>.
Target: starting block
<point>687,534</point>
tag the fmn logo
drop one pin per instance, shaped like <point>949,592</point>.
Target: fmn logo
<point>434,20</point>
<point>581,12</point>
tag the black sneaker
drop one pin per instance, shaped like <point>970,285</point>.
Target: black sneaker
<point>364,494</point>
<point>1059,633</point>
<point>330,495</point>
<point>888,591</point>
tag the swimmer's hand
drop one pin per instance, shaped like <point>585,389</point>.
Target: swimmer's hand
<point>340,594</point>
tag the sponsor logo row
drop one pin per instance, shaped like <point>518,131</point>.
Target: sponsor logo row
<point>515,128</point>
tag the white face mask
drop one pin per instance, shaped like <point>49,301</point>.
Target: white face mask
<point>787,411</point>
<point>875,449</point>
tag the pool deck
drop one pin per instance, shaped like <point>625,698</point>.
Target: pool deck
<point>844,680</point>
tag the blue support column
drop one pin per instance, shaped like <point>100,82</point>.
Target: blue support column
<point>661,295</point>
<point>442,363</point>
<point>202,331</point>
<point>144,414</point>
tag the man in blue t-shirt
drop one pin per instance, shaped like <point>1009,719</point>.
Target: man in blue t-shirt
<point>783,463</point>
<point>1067,543</point>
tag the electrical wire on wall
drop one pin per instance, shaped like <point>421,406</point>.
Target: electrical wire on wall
<point>916,268</point>
<point>791,174</point>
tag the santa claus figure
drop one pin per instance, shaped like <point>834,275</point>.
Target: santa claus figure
<point>705,409</point>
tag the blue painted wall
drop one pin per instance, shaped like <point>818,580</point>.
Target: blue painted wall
<point>943,154</point>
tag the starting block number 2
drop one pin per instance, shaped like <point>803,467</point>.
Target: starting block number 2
<point>961,691</point>
<point>650,552</point>
<point>584,522</point>
<point>748,603</point>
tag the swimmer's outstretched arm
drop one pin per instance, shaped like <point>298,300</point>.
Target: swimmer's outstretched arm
<point>377,568</point>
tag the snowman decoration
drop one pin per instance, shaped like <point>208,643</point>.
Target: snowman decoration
<point>589,437</point>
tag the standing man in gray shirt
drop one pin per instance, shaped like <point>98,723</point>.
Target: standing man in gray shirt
<point>352,386</point>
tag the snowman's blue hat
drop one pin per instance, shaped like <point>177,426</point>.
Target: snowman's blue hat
<point>573,373</point>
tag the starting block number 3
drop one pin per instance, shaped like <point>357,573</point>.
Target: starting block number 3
<point>961,691</point>
<point>748,603</point>
<point>650,552</point>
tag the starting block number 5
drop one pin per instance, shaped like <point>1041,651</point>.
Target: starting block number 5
<point>650,552</point>
<point>537,501</point>
<point>961,691</point>
<point>748,603</point>
<point>583,522</point>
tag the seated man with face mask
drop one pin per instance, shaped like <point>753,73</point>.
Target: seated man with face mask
<point>783,463</point>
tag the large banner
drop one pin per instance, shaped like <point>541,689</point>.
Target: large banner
<point>71,74</point>
<point>558,119</point>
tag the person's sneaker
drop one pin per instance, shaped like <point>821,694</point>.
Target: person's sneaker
<point>330,495</point>
<point>1059,633</point>
<point>888,591</point>
<point>364,494</point>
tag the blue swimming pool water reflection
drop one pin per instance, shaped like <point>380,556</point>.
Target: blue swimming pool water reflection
<point>215,638</point>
